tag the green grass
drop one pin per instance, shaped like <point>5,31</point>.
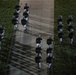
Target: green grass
<point>65,55</point>
<point>6,12</point>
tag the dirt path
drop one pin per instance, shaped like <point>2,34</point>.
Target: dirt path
<point>41,20</point>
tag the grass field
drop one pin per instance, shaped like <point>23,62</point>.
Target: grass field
<point>65,55</point>
<point>6,12</point>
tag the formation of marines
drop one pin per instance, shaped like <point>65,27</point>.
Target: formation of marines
<point>25,17</point>
<point>70,28</point>
<point>38,51</point>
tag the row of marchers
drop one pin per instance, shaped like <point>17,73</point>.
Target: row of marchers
<point>25,16</point>
<point>39,51</point>
<point>70,29</point>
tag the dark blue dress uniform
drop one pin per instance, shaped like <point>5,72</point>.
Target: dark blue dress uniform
<point>23,21</point>
<point>38,40</point>
<point>69,20</point>
<point>38,59</point>
<point>26,7</point>
<point>49,50</point>
<point>38,50</point>
<point>49,59</point>
<point>49,41</point>
<point>25,14</point>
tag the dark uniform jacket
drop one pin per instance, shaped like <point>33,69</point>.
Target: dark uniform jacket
<point>60,27</point>
<point>26,7</point>
<point>49,50</point>
<point>60,35</point>
<point>38,40</point>
<point>49,41</point>
<point>16,14</point>
<point>59,20</point>
<point>69,20</point>
<point>49,59</point>
<point>14,20</point>
<point>17,7</point>
<point>70,27</point>
<point>38,59</point>
<point>38,50</point>
<point>25,14</point>
<point>23,21</point>
<point>1,30</point>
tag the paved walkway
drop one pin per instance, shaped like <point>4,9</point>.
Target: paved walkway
<point>41,20</point>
